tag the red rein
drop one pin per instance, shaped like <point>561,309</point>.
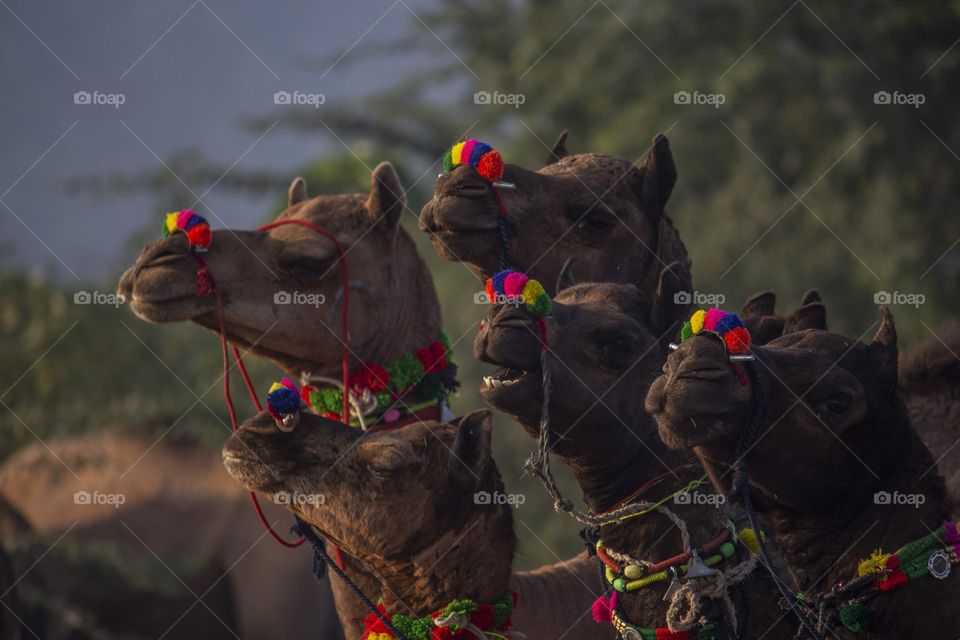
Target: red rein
<point>206,284</point>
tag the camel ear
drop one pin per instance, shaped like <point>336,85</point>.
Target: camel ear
<point>387,199</point>
<point>566,279</point>
<point>297,192</point>
<point>470,452</point>
<point>659,175</point>
<point>883,349</point>
<point>812,295</point>
<point>672,305</point>
<point>759,305</point>
<point>809,316</point>
<point>559,149</point>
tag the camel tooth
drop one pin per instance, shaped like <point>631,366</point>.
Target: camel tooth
<point>497,383</point>
<point>507,383</point>
<point>487,381</point>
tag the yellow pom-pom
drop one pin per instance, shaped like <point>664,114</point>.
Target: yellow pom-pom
<point>456,152</point>
<point>696,321</point>
<point>172,221</point>
<point>380,636</point>
<point>531,291</point>
<point>749,538</point>
<point>274,387</point>
<point>876,563</point>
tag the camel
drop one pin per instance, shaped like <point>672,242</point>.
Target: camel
<point>394,307</point>
<point>177,504</point>
<point>834,465</point>
<point>927,378</point>
<point>605,210</point>
<point>607,343</point>
<point>404,502</point>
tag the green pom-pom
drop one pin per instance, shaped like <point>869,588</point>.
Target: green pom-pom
<point>405,372</point>
<point>384,400</point>
<point>502,610</point>
<point>448,160</point>
<point>855,616</point>
<point>414,628</point>
<point>540,306</point>
<point>329,400</point>
<point>686,332</point>
<point>709,631</point>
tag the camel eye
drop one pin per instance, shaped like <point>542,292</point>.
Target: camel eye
<point>615,352</point>
<point>837,404</point>
<point>595,222</point>
<point>304,267</point>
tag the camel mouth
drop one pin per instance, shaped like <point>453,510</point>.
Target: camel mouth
<point>246,468</point>
<point>513,391</point>
<point>459,215</point>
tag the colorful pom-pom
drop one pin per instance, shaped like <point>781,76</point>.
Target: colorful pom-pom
<point>713,316</point>
<point>696,321</point>
<point>479,155</point>
<point>507,285</point>
<point>727,325</point>
<point>687,331</point>
<point>196,227</point>
<point>514,283</point>
<point>283,397</point>
<point>737,340</point>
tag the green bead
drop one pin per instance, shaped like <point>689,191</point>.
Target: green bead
<point>620,584</point>
<point>855,616</point>
<point>633,571</point>
<point>726,550</point>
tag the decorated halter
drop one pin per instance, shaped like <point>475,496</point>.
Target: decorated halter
<point>284,404</point>
<point>513,287</point>
<point>194,226</point>
<point>460,620</point>
<point>487,162</point>
<point>727,326</point>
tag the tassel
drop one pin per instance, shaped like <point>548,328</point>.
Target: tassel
<point>876,563</point>
<point>603,608</point>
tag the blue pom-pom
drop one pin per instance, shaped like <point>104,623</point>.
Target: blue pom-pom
<point>284,400</point>
<point>192,222</point>
<point>498,279</point>
<point>728,322</point>
<point>478,151</point>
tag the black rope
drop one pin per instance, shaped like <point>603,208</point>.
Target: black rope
<point>322,560</point>
<point>741,490</point>
<point>504,227</point>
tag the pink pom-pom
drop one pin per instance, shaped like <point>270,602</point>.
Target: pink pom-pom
<point>184,218</point>
<point>603,608</point>
<point>466,151</point>
<point>289,384</point>
<point>514,283</point>
<point>712,318</point>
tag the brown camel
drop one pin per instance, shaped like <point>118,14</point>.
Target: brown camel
<point>608,342</point>
<point>833,463</point>
<point>928,377</point>
<point>394,308</point>
<point>606,211</point>
<point>95,568</point>
<point>404,502</point>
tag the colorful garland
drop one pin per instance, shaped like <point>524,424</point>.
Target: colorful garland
<point>456,621</point>
<point>606,610</point>
<point>413,382</point>
<point>479,155</point>
<point>727,325</point>
<point>513,287</point>
<point>935,554</point>
<point>195,226</point>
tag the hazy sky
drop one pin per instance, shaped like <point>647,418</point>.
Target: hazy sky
<point>188,71</point>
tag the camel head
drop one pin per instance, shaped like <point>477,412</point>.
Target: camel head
<point>607,342</point>
<point>605,210</point>
<point>832,416</point>
<point>761,319</point>
<point>388,496</point>
<point>281,289</point>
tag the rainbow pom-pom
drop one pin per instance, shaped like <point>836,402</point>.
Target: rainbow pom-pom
<point>727,325</point>
<point>195,226</point>
<point>283,398</point>
<point>514,287</point>
<point>479,155</point>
